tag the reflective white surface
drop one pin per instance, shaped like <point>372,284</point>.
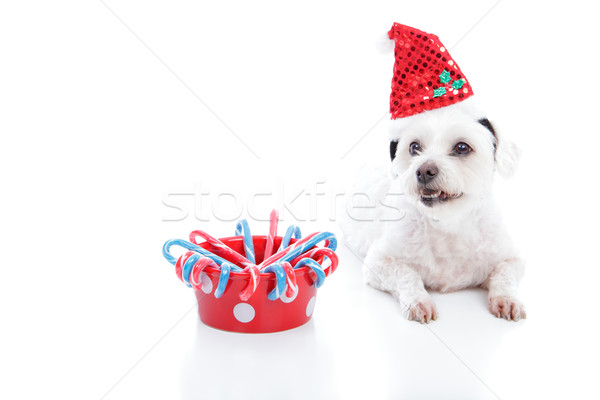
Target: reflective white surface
<point>108,149</point>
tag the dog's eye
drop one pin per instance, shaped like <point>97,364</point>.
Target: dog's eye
<point>414,148</point>
<point>462,148</point>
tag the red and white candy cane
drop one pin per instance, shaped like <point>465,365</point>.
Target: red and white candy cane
<point>272,233</point>
<point>221,248</point>
<point>318,255</point>
<point>179,264</point>
<point>197,270</point>
<point>252,282</point>
<point>284,252</point>
<point>290,280</point>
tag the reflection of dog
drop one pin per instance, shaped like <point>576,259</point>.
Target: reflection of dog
<point>450,235</point>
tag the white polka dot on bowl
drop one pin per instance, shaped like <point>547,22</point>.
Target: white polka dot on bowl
<point>310,307</point>
<point>206,283</point>
<point>244,312</point>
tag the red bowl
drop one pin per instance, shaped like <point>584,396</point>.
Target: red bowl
<point>258,314</point>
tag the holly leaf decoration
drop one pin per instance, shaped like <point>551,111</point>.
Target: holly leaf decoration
<point>445,77</point>
<point>439,92</point>
<point>458,84</point>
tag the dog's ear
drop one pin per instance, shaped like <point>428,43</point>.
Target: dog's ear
<point>393,147</point>
<point>506,153</point>
<point>507,157</point>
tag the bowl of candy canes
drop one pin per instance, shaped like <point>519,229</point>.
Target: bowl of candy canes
<point>255,284</point>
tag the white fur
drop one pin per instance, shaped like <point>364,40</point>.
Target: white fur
<point>460,243</point>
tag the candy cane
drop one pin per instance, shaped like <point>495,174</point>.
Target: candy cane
<point>272,233</point>
<point>316,269</point>
<point>195,258</point>
<point>226,268</point>
<point>252,283</point>
<point>189,246</point>
<point>279,255</point>
<point>243,228</point>
<point>291,230</point>
<point>328,237</point>
<point>179,264</point>
<point>188,266</point>
<point>317,253</point>
<point>290,280</point>
<point>197,270</point>
<point>302,246</point>
<point>279,281</point>
<point>221,248</point>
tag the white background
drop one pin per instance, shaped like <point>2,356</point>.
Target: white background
<point>110,110</point>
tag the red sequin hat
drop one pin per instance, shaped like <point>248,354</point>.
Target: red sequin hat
<point>425,75</point>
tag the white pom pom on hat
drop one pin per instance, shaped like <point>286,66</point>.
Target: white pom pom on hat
<point>384,44</point>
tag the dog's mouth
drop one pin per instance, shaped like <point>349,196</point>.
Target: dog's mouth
<point>429,197</point>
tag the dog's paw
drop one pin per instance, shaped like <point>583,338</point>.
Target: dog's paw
<point>507,307</point>
<point>422,311</point>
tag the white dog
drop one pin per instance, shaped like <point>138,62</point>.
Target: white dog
<point>444,232</point>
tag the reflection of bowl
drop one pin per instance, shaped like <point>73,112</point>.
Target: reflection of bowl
<point>258,314</point>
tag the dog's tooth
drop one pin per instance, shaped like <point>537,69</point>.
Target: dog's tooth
<point>432,195</point>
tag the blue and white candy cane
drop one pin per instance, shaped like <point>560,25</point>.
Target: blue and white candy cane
<point>243,228</point>
<point>312,242</point>
<point>188,266</point>
<point>291,230</point>
<point>316,267</point>
<point>279,272</point>
<point>189,246</point>
<point>226,268</point>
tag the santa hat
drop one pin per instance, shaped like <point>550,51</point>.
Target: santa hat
<point>425,77</point>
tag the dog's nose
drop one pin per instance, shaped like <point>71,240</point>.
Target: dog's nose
<point>426,172</point>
